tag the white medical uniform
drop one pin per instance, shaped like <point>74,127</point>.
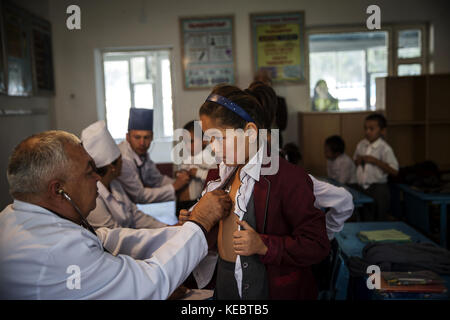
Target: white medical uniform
<point>40,253</point>
<point>115,210</point>
<point>141,178</point>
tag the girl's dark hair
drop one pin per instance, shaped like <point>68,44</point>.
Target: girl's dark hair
<point>102,171</point>
<point>246,101</point>
<point>267,97</point>
<point>336,144</point>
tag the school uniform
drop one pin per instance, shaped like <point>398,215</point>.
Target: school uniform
<point>289,225</point>
<point>342,169</point>
<point>371,179</point>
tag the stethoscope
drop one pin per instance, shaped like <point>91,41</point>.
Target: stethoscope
<point>84,222</point>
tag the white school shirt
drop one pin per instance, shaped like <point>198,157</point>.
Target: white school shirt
<point>338,200</point>
<point>40,253</point>
<point>141,178</point>
<point>203,162</point>
<point>370,173</point>
<point>115,210</point>
<point>342,169</point>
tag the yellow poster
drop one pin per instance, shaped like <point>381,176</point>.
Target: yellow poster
<point>278,46</point>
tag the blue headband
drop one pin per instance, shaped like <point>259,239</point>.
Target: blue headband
<point>230,105</point>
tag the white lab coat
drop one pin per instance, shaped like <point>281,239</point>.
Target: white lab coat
<point>38,248</point>
<point>115,210</point>
<point>141,178</point>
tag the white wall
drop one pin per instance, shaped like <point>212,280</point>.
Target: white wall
<point>13,129</point>
<point>119,23</point>
<point>109,23</point>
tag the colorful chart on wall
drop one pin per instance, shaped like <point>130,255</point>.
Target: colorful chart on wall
<point>207,51</point>
<point>278,41</point>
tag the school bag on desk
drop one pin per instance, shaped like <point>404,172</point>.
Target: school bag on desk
<point>401,257</point>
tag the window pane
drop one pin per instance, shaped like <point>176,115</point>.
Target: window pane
<point>343,67</point>
<point>409,43</point>
<point>138,69</point>
<point>409,69</point>
<point>117,93</point>
<point>143,96</point>
<point>167,97</point>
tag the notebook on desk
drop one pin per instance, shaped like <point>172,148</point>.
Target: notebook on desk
<point>416,288</point>
<point>387,235</point>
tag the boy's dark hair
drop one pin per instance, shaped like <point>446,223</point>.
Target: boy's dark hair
<point>292,153</point>
<point>382,123</point>
<point>336,144</point>
<point>189,126</point>
<point>246,101</point>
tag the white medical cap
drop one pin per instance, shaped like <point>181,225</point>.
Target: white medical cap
<point>99,143</point>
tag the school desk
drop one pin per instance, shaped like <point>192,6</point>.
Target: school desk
<point>351,246</point>
<point>417,209</point>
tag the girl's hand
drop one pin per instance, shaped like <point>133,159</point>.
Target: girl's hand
<point>248,242</point>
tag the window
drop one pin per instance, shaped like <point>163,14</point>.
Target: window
<point>343,65</point>
<point>138,80</point>
<point>348,63</point>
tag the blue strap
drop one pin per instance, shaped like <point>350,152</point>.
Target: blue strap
<point>230,105</point>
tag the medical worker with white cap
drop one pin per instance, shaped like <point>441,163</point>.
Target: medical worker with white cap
<point>114,209</point>
<point>49,251</point>
<point>140,178</point>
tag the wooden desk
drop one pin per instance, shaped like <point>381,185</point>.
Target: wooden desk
<point>417,209</point>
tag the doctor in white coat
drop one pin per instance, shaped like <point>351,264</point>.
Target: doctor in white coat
<point>114,209</point>
<point>49,251</point>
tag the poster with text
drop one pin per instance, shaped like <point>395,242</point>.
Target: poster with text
<point>279,46</point>
<point>207,51</point>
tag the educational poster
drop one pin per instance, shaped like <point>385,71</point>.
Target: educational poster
<point>42,55</point>
<point>18,51</point>
<point>207,51</point>
<point>278,45</point>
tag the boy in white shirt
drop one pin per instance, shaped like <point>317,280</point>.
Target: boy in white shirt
<point>197,165</point>
<point>340,166</point>
<point>375,160</point>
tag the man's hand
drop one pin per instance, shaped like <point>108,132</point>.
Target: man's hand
<point>248,242</point>
<point>370,159</point>
<point>212,207</point>
<point>182,180</point>
<point>184,216</point>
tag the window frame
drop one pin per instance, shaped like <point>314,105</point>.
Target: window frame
<point>392,46</point>
<point>128,54</point>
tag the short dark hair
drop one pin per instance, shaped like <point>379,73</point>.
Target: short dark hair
<point>336,144</point>
<point>378,117</point>
<point>292,153</point>
<point>189,126</point>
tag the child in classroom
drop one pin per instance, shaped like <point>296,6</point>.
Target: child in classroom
<point>340,166</point>
<point>267,246</point>
<point>196,164</point>
<point>375,160</point>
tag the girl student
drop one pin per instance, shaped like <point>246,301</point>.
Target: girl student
<point>266,248</point>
